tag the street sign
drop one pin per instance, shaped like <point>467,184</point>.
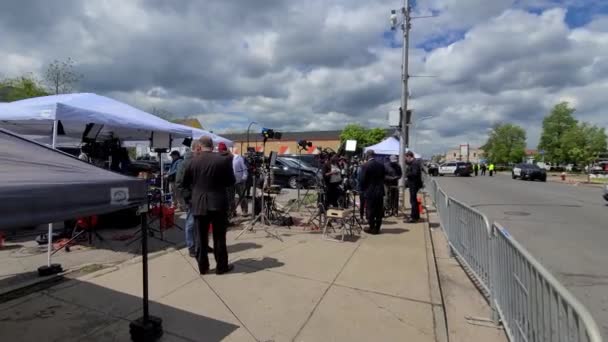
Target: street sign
<point>542,152</point>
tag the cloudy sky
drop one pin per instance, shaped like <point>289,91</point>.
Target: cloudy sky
<point>320,64</point>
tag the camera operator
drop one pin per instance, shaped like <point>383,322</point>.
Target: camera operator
<point>393,174</point>
<point>333,178</point>
<point>372,185</point>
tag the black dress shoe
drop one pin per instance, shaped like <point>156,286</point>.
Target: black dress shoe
<point>204,271</point>
<point>209,249</point>
<point>411,220</point>
<point>192,252</point>
<point>227,270</point>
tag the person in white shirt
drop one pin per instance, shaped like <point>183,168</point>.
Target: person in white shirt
<point>240,173</point>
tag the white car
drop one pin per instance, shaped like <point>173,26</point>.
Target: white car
<point>456,169</point>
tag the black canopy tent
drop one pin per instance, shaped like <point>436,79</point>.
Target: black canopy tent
<point>39,185</point>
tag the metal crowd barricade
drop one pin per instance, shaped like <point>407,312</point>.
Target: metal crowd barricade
<point>469,236</point>
<point>533,305</point>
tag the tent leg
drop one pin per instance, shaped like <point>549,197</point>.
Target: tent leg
<point>50,269</point>
<point>145,328</point>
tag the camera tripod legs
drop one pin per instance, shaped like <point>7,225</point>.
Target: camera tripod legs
<point>262,219</point>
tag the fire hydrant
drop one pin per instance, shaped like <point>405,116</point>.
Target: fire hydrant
<point>563,175</point>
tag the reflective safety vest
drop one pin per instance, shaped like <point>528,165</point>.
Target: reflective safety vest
<point>491,168</point>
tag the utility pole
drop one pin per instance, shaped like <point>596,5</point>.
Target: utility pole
<point>405,114</point>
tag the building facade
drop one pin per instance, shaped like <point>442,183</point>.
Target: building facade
<point>288,144</point>
<point>475,155</point>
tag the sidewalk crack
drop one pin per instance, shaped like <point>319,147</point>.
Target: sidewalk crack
<point>325,293</point>
<point>223,302</point>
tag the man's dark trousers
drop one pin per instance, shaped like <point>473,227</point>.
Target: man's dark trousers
<point>362,205</point>
<point>375,213</point>
<point>415,214</point>
<point>220,251</point>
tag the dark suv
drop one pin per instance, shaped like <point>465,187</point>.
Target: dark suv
<point>310,159</point>
<point>287,172</point>
<point>529,172</point>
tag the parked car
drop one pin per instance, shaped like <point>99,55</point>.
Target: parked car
<point>529,172</point>
<point>463,169</point>
<point>286,173</point>
<point>310,159</point>
<point>433,169</point>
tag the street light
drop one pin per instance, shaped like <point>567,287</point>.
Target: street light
<point>248,128</point>
<point>415,130</point>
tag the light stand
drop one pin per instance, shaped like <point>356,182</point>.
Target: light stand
<point>145,328</point>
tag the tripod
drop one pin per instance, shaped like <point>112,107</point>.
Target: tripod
<point>262,216</point>
<point>354,222</point>
<point>321,212</point>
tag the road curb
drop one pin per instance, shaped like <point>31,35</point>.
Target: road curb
<point>439,313</point>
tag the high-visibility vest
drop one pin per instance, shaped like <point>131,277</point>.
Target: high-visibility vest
<point>491,168</point>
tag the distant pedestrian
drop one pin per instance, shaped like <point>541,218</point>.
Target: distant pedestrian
<point>491,169</point>
<point>476,169</point>
<point>483,169</point>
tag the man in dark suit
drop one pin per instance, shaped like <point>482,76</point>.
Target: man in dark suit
<point>414,183</point>
<point>372,185</point>
<point>209,175</point>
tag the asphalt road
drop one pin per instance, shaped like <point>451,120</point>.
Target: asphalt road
<point>564,226</point>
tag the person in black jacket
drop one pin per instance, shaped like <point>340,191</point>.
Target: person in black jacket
<point>372,185</point>
<point>393,175</point>
<point>414,182</point>
<point>208,176</point>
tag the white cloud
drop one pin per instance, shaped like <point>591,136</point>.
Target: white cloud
<point>321,64</point>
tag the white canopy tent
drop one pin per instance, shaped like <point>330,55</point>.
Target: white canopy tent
<point>67,116</point>
<point>388,146</point>
<point>197,133</point>
<point>73,112</point>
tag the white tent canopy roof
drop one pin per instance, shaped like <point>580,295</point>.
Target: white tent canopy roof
<point>197,133</point>
<point>388,146</point>
<point>35,116</point>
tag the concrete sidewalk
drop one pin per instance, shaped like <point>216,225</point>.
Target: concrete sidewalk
<point>304,288</point>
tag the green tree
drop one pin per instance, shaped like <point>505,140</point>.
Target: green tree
<point>506,144</point>
<point>364,137</point>
<point>555,126</point>
<point>61,77</point>
<point>374,136</point>
<point>582,143</point>
<point>20,88</point>
<point>353,132</point>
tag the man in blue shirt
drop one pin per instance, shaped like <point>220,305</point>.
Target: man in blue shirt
<point>178,201</point>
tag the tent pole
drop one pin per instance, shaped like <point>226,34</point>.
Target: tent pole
<point>50,230</point>
<point>50,268</point>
